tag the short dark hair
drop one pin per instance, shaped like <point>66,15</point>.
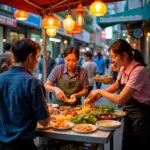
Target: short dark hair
<point>99,54</point>
<point>23,48</point>
<point>88,54</point>
<point>7,46</point>
<point>70,50</point>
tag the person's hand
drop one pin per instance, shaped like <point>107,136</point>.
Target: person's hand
<point>93,97</point>
<point>73,99</point>
<point>59,94</point>
<point>70,100</point>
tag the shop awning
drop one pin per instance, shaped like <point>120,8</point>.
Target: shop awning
<point>42,6</point>
<point>137,14</point>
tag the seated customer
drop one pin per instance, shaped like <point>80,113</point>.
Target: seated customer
<point>22,99</point>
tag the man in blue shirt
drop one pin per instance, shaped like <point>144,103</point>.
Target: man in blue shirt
<point>22,99</point>
<point>99,60</point>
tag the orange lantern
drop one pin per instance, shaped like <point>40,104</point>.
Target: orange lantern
<point>68,23</point>
<point>21,15</point>
<point>80,12</point>
<point>76,30</point>
<point>51,32</point>
<point>50,22</point>
<point>98,8</point>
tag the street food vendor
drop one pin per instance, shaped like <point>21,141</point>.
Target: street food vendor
<point>22,99</point>
<point>134,82</point>
<point>68,81</point>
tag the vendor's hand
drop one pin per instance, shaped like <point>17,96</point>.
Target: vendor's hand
<point>93,96</point>
<point>73,99</point>
<point>59,94</point>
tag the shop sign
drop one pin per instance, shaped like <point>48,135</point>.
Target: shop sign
<point>8,21</point>
<point>84,36</point>
<point>121,19</point>
<point>138,33</point>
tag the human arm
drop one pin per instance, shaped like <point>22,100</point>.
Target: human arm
<point>95,95</point>
<point>59,93</point>
<point>121,98</point>
<point>37,99</point>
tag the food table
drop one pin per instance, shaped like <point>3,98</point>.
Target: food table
<point>98,137</point>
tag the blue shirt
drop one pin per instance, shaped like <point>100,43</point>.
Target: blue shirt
<point>100,64</point>
<point>22,104</point>
<point>54,76</point>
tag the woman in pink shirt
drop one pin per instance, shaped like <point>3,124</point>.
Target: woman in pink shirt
<point>134,83</point>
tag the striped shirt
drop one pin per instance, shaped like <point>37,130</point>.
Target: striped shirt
<point>54,76</point>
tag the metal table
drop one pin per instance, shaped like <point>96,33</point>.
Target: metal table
<point>99,137</point>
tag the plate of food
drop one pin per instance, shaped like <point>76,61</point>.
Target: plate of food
<point>40,127</point>
<point>120,113</point>
<point>108,124</point>
<point>109,117</point>
<point>84,128</point>
<point>52,105</point>
<point>62,125</point>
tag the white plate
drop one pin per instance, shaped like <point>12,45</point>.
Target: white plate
<point>74,128</point>
<point>120,113</point>
<point>108,124</point>
<point>52,105</point>
<point>40,127</point>
<point>69,123</point>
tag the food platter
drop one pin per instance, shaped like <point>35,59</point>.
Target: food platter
<point>109,117</point>
<point>64,125</point>
<point>108,124</point>
<point>52,105</point>
<point>84,128</point>
<point>120,113</point>
<point>40,127</point>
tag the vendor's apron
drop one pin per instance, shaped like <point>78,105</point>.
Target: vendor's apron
<point>68,88</point>
<point>136,131</point>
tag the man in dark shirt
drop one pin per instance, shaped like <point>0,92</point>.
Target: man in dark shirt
<point>22,99</point>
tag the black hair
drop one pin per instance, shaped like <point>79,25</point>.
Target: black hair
<point>23,48</point>
<point>70,50</point>
<point>48,52</point>
<point>120,46</point>
<point>7,47</point>
<point>99,55</point>
<point>88,54</point>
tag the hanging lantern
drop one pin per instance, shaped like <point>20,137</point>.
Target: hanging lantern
<point>51,32</point>
<point>21,15</point>
<point>68,23</point>
<point>98,8</point>
<point>80,12</point>
<point>80,21</point>
<point>50,22</point>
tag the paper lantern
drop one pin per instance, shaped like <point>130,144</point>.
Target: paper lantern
<point>68,23</point>
<point>21,15</point>
<point>50,22</point>
<point>51,32</point>
<point>98,8</point>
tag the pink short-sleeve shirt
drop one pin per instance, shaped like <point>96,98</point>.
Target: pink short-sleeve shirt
<point>138,80</point>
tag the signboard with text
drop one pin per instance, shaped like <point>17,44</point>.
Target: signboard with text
<point>8,21</point>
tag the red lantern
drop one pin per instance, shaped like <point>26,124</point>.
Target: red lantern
<point>21,15</point>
